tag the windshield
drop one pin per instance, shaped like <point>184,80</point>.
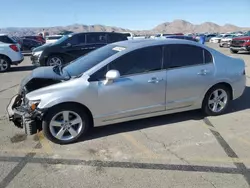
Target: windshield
<point>62,39</point>
<point>84,63</point>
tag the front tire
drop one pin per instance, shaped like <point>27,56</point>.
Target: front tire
<point>4,64</point>
<point>233,51</point>
<point>64,124</point>
<point>216,101</point>
<point>54,60</point>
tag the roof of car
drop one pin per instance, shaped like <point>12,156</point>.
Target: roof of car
<point>96,32</point>
<point>154,42</point>
<point>2,34</point>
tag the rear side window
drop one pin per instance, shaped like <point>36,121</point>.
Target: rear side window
<point>182,55</point>
<point>6,39</point>
<point>116,37</point>
<point>96,38</point>
<point>208,58</point>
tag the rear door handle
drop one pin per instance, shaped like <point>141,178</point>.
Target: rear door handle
<point>155,80</point>
<point>203,72</point>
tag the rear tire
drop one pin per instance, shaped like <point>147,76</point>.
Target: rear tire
<point>216,104</point>
<point>234,51</point>
<point>73,127</point>
<point>4,64</point>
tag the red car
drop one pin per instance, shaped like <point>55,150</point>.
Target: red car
<point>38,38</point>
<point>240,44</point>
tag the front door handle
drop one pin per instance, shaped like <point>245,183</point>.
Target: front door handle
<point>155,80</point>
<point>203,72</point>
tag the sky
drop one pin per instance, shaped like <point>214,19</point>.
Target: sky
<point>130,14</point>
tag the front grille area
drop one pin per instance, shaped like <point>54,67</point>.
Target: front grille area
<point>237,43</point>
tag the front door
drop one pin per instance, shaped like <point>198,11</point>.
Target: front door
<point>73,46</point>
<point>190,71</point>
<point>140,89</point>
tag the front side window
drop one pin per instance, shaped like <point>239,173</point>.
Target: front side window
<point>182,55</point>
<point>139,61</point>
<point>96,38</point>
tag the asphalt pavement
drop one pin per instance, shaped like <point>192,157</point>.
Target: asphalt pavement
<point>177,150</point>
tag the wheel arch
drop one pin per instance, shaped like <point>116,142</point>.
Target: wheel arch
<point>64,56</point>
<point>227,85</point>
<point>2,55</point>
<point>81,106</point>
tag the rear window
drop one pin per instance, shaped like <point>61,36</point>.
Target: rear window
<point>6,39</point>
<point>116,37</point>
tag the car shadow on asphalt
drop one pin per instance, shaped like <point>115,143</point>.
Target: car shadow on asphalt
<point>239,104</point>
<point>164,120</point>
<point>22,68</point>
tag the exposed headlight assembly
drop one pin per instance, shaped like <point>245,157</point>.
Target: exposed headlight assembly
<point>33,104</point>
<point>37,53</point>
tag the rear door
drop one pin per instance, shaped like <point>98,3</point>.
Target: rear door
<point>190,71</point>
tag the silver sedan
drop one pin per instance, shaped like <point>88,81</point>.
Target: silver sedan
<point>126,81</point>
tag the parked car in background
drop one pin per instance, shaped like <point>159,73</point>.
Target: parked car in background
<point>240,44</point>
<point>17,39</point>
<point>38,38</point>
<point>10,54</point>
<point>53,38</point>
<point>182,37</point>
<point>125,81</point>
<point>4,38</point>
<point>226,41</point>
<point>166,34</point>
<point>27,45</point>
<point>209,36</point>
<point>72,46</point>
<point>218,38</point>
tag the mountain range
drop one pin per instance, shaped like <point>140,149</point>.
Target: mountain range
<point>176,26</point>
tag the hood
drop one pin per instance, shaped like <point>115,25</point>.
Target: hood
<point>242,38</point>
<point>41,77</point>
<point>41,48</point>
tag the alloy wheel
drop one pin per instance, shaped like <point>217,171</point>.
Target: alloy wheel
<point>55,61</point>
<point>66,125</point>
<point>3,65</point>
<point>217,100</point>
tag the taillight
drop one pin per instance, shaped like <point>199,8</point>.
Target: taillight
<point>14,47</point>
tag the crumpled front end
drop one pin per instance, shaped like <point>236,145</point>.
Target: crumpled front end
<point>22,115</point>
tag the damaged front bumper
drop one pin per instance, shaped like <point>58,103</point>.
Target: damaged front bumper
<point>22,117</point>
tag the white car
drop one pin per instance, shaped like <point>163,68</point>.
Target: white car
<point>53,38</point>
<point>4,38</point>
<point>218,38</point>
<point>10,54</point>
<point>225,42</point>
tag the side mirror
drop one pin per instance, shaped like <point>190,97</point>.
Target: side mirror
<point>68,44</point>
<point>111,75</point>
